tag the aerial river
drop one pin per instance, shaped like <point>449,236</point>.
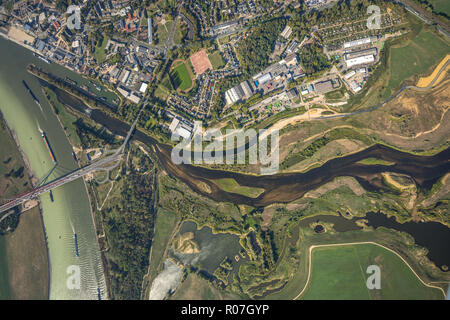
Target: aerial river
<point>69,213</point>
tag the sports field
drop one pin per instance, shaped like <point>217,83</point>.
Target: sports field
<point>417,57</point>
<point>180,77</point>
<point>339,272</point>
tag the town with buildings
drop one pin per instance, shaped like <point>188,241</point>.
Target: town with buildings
<point>140,41</point>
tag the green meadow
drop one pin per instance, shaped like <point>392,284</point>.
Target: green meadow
<point>418,57</point>
<point>339,272</point>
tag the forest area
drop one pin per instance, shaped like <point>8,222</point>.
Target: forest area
<point>254,51</point>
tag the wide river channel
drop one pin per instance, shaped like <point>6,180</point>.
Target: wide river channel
<point>69,213</point>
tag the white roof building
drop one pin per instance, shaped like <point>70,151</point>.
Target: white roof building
<point>182,131</point>
<point>144,87</point>
<point>132,96</point>
<point>76,44</point>
<point>286,32</point>
<point>264,78</point>
<point>174,124</point>
<point>356,43</point>
<point>177,127</point>
<point>231,96</point>
<point>360,60</point>
<point>350,74</point>
<point>354,86</point>
<point>362,70</point>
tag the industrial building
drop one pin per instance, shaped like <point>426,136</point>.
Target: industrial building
<point>292,47</point>
<point>130,95</point>
<point>240,92</point>
<point>360,53</point>
<point>360,60</point>
<point>180,128</point>
<point>357,43</point>
<point>286,32</point>
<point>150,33</point>
<point>326,86</point>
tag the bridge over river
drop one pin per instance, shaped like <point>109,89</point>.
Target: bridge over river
<point>71,176</point>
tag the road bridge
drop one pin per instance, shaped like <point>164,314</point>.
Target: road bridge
<point>71,176</point>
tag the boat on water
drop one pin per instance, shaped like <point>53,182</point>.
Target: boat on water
<point>41,57</point>
<point>51,196</point>
<point>75,239</point>
<point>49,148</point>
<point>31,93</point>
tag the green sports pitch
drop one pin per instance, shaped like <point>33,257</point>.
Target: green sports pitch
<point>181,80</point>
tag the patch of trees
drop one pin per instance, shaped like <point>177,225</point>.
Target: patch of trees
<point>129,231</point>
<point>428,6</point>
<point>91,136</point>
<point>19,173</point>
<point>254,51</point>
<point>312,58</point>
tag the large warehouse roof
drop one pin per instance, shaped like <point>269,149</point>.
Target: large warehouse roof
<point>356,43</point>
<point>360,60</point>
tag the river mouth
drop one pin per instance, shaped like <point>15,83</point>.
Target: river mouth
<point>284,188</point>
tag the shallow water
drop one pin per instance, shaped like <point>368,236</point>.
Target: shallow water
<point>213,247</point>
<point>167,281</point>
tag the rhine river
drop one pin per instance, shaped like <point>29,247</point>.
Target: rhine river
<point>70,212</point>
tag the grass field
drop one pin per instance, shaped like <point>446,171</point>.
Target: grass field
<point>375,161</point>
<point>165,223</point>
<point>178,35</point>
<point>340,273</point>
<point>181,79</point>
<point>23,253</point>
<point>230,185</point>
<point>64,116</point>
<point>163,31</point>
<point>99,53</point>
<point>26,253</point>
<point>14,179</point>
<point>441,6</point>
<point>417,57</point>
<point>216,60</point>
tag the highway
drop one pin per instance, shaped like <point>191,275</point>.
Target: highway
<point>78,173</point>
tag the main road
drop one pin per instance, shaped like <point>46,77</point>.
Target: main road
<point>80,172</point>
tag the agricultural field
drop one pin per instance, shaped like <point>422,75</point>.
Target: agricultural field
<point>23,252</point>
<point>418,57</point>
<point>345,277</point>
<point>26,259</point>
<point>181,78</point>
